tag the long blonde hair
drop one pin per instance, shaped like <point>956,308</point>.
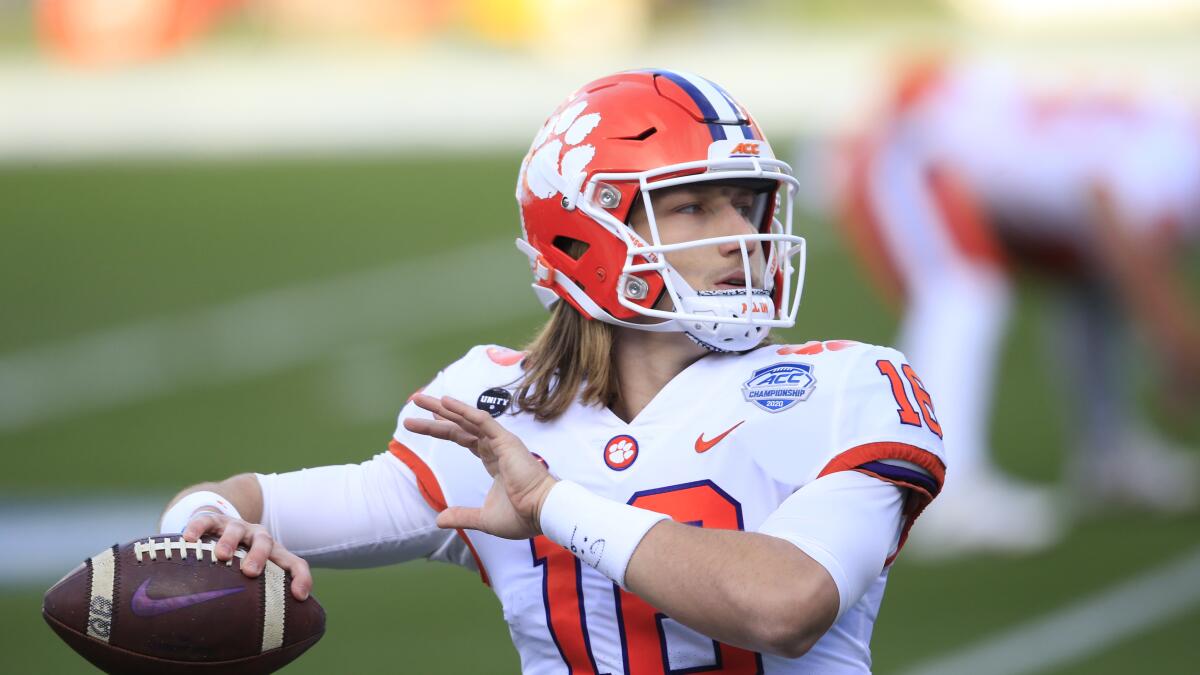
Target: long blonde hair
<point>570,352</point>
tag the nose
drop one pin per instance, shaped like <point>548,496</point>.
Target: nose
<point>732,222</point>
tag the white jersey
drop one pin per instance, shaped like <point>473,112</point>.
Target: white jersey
<point>1038,157</point>
<point>722,445</point>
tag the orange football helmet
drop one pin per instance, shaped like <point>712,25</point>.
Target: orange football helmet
<point>620,138</point>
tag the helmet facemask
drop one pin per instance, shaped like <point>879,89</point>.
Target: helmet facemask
<point>730,319</point>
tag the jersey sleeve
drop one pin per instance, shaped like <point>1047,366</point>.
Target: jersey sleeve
<point>354,515</point>
<point>848,522</point>
<point>446,473</point>
<point>885,426</point>
<point>383,510</point>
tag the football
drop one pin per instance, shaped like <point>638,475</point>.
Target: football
<point>162,604</point>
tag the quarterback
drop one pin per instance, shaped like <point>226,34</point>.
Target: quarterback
<point>650,486</point>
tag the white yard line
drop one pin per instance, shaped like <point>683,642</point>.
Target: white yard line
<point>46,538</point>
<point>50,536</point>
<point>264,333</point>
<point>1084,628</point>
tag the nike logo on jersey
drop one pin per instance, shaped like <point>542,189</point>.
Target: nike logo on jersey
<point>145,606</point>
<point>704,446</point>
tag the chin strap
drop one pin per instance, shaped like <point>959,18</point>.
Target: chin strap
<point>727,303</point>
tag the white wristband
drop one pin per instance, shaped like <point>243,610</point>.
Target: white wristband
<point>600,532</point>
<point>176,518</point>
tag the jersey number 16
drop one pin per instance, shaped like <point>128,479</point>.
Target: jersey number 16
<point>906,410</point>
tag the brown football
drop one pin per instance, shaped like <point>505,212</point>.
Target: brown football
<point>161,604</point>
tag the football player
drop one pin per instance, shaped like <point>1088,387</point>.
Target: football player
<point>968,176</point>
<point>651,485</point>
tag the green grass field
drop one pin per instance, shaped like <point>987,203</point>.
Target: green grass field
<point>91,247</point>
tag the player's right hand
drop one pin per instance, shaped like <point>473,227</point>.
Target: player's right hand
<point>512,506</point>
<point>262,547</point>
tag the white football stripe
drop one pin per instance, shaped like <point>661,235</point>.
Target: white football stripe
<point>273,609</point>
<point>100,603</point>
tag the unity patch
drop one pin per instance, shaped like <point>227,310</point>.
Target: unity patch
<point>778,387</point>
<point>494,401</point>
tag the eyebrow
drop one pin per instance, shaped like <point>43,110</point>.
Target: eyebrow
<point>694,190</point>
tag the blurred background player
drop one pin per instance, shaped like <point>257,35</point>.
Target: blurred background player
<point>964,179</point>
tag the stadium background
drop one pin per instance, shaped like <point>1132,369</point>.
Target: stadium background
<point>239,248</point>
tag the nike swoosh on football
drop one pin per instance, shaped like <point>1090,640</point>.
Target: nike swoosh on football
<point>704,446</point>
<point>145,606</point>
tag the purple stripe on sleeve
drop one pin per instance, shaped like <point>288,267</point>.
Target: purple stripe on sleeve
<point>902,474</point>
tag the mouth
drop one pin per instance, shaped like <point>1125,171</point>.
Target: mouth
<point>736,281</point>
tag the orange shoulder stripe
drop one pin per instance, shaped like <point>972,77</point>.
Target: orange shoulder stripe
<point>427,483</point>
<point>431,490</point>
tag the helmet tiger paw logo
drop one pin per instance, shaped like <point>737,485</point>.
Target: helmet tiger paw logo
<point>548,170</point>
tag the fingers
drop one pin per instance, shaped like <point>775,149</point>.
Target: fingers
<point>198,526</point>
<point>433,405</point>
<point>474,421</point>
<point>447,431</point>
<point>235,530</point>
<point>453,410</point>
<point>302,580</point>
<point>231,532</point>
<point>261,543</point>
<point>460,517</point>
<point>201,525</point>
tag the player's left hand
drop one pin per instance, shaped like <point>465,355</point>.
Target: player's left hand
<point>513,505</point>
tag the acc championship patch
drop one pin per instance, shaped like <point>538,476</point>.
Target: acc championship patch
<point>780,386</point>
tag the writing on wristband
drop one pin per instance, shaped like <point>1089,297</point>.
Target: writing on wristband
<point>589,552</point>
<point>602,533</point>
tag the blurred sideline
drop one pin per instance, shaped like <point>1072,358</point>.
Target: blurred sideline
<point>258,334</point>
<point>439,98</point>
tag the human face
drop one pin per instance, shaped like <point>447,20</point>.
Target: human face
<point>701,211</point>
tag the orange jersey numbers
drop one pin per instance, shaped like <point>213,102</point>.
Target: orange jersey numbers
<point>701,503</point>
<point>562,591</point>
<point>905,408</point>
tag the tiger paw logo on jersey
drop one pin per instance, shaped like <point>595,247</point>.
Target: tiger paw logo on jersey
<point>780,386</point>
<point>620,452</point>
<point>548,170</point>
